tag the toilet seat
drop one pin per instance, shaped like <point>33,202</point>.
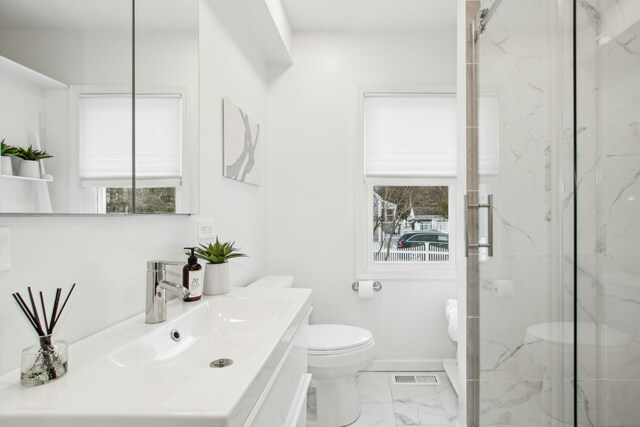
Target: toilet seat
<point>339,346</point>
<point>311,352</point>
<point>336,339</point>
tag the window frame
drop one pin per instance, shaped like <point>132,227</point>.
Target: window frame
<point>366,268</point>
<point>88,199</point>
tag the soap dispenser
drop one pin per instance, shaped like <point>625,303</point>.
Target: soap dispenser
<point>192,277</point>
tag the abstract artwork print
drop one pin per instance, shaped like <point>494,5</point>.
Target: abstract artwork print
<point>241,137</point>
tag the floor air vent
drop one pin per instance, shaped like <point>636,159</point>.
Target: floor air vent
<point>416,379</point>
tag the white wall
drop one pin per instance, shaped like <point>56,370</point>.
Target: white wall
<point>71,56</point>
<point>21,105</point>
<point>106,255</point>
<point>313,128</point>
<point>239,209</point>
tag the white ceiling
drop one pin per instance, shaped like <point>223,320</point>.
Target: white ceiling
<point>366,15</point>
<point>98,14</point>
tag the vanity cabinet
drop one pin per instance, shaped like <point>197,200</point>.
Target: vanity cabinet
<point>284,399</point>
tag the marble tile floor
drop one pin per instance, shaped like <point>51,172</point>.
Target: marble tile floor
<point>384,404</point>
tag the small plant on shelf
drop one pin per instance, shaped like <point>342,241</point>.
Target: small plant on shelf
<point>32,154</point>
<point>218,253</point>
<point>8,150</point>
<point>6,153</point>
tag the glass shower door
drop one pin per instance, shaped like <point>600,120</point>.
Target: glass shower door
<point>524,350</point>
<point>608,208</point>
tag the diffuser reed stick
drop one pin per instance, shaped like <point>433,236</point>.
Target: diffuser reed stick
<point>57,317</point>
<point>34,317</point>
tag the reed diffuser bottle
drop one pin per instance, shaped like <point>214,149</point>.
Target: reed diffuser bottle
<point>47,360</point>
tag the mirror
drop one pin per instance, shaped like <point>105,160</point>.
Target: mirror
<point>66,83</point>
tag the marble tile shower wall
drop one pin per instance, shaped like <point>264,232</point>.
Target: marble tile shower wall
<point>515,57</point>
<point>608,90</point>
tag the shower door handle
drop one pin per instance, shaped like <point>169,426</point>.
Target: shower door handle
<point>489,244</point>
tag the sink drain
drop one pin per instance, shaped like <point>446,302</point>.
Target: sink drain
<point>175,335</point>
<point>220,363</point>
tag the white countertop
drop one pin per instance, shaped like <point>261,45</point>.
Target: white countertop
<point>162,392</point>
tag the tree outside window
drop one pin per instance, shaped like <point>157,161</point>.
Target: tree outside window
<point>401,209</point>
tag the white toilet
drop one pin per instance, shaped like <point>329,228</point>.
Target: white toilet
<point>336,354</point>
<point>451,365</point>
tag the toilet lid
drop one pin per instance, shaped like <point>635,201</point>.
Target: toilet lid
<point>337,337</point>
<point>589,334</point>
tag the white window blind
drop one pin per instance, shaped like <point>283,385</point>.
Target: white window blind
<point>415,135</point>
<point>105,139</point>
<point>159,137</point>
<point>410,135</point>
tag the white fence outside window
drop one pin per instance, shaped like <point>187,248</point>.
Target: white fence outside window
<point>429,253</point>
<point>432,226</point>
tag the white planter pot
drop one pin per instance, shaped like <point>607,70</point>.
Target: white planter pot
<point>30,169</point>
<point>6,167</point>
<point>216,279</point>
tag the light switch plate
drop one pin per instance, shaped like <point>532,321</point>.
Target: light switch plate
<point>5,249</point>
<point>206,229</point>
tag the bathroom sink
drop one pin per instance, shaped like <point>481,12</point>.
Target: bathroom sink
<point>136,374</point>
<point>229,328</point>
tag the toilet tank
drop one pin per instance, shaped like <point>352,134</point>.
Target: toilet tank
<point>273,282</point>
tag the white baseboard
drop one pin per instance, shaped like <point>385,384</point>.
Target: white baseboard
<point>408,365</point>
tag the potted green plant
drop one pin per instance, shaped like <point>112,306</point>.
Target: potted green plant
<point>216,271</point>
<point>30,164</point>
<point>6,152</point>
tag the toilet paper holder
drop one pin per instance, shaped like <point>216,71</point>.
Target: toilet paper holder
<point>377,286</point>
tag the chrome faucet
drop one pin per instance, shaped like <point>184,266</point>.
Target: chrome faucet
<point>157,285</point>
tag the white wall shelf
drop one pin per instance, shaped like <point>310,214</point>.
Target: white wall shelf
<point>24,178</point>
<point>27,74</point>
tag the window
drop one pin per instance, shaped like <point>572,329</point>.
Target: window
<point>148,200</point>
<point>105,162</point>
<point>417,227</point>
<point>409,166</point>
<point>410,163</point>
